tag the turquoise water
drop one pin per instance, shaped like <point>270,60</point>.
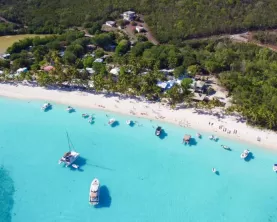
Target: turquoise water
<point>143,178</point>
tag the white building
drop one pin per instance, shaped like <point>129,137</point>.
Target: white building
<point>110,23</point>
<point>99,60</point>
<point>20,70</point>
<point>129,15</point>
<point>90,71</point>
<point>115,71</point>
<point>139,29</point>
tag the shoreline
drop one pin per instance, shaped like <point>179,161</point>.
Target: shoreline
<point>188,117</point>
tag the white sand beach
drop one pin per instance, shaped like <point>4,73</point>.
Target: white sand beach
<point>189,118</point>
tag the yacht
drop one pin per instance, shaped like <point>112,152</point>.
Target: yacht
<point>111,121</point>
<point>158,131</point>
<point>70,109</point>
<point>69,157</point>
<point>186,139</point>
<point>94,192</point>
<point>46,106</point>
<point>244,154</point>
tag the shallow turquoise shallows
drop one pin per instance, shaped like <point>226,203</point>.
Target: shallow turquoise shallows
<point>143,178</point>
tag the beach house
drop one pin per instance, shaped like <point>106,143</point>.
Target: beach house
<point>129,15</point>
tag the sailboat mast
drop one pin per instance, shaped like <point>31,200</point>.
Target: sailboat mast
<point>68,141</point>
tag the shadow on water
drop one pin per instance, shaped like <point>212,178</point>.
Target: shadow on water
<point>6,195</point>
<point>163,134</point>
<point>217,173</point>
<point>249,157</point>
<point>115,124</point>
<point>192,142</point>
<point>105,199</point>
<point>81,161</point>
<point>132,124</point>
<point>48,109</point>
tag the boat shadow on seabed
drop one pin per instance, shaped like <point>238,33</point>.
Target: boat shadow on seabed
<point>105,199</point>
<point>80,162</point>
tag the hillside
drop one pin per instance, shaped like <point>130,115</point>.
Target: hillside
<point>169,20</point>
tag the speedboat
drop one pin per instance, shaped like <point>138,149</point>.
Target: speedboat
<point>211,137</point>
<point>69,158</point>
<point>90,120</point>
<point>275,167</point>
<point>111,121</point>
<point>94,192</point>
<point>198,135</point>
<point>214,170</point>
<point>128,122</point>
<point>158,131</point>
<point>70,109</point>
<point>225,147</point>
<point>46,106</point>
<point>85,115</point>
<point>244,154</point>
<point>186,139</point>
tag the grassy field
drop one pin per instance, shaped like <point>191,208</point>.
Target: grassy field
<point>6,41</point>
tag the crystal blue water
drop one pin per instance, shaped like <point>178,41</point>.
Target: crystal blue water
<point>143,178</point>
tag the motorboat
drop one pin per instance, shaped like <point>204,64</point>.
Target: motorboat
<point>94,192</point>
<point>225,147</point>
<point>211,137</point>
<point>198,135</point>
<point>69,158</point>
<point>85,115</point>
<point>46,106</point>
<point>214,170</point>
<point>158,131</point>
<point>90,120</point>
<point>111,121</point>
<point>128,122</point>
<point>244,154</point>
<point>275,167</point>
<point>70,109</point>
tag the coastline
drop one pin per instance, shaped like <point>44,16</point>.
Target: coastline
<point>184,117</point>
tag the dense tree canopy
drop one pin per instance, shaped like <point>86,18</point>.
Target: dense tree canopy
<point>169,20</point>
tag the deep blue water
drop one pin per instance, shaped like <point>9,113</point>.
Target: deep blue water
<point>143,178</point>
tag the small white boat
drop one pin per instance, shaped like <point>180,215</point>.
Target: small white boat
<point>128,122</point>
<point>198,135</point>
<point>214,170</point>
<point>275,167</point>
<point>225,147</point>
<point>111,121</point>
<point>69,109</point>
<point>158,131</point>
<point>75,166</point>
<point>244,154</point>
<point>211,137</point>
<point>90,120</point>
<point>85,115</point>
<point>94,192</point>
<point>45,106</point>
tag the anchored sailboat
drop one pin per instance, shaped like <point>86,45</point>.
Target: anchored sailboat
<point>69,157</point>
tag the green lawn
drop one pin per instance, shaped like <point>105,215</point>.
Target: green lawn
<point>6,41</point>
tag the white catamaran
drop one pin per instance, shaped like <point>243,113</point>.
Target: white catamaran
<point>94,192</point>
<point>69,157</point>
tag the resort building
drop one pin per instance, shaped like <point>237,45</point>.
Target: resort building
<point>110,23</point>
<point>129,15</point>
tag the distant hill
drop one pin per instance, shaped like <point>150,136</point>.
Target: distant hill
<point>170,20</point>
